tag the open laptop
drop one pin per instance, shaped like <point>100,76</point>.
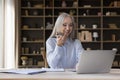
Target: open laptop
<point>95,61</point>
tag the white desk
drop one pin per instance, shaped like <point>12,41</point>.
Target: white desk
<point>67,75</point>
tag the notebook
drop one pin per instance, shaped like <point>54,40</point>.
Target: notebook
<point>95,61</point>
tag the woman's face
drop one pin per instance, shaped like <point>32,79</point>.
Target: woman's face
<point>67,26</point>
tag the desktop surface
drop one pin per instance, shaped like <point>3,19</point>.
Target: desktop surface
<point>67,75</point>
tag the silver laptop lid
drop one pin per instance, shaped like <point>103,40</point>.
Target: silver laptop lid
<point>95,61</point>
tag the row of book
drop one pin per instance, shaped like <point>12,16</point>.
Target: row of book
<point>115,3</point>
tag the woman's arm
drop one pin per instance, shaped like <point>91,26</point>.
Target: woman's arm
<point>54,53</point>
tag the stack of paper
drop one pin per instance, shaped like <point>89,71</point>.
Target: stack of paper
<point>53,70</point>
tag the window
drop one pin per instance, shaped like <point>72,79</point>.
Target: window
<point>7,34</point>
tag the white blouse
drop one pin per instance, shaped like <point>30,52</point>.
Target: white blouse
<point>65,56</point>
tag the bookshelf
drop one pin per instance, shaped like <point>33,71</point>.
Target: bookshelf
<point>97,22</point>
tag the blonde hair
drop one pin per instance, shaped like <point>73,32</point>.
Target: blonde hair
<point>58,25</point>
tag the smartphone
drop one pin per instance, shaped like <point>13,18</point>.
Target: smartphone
<point>59,33</point>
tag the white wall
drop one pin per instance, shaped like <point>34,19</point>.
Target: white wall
<point>1,33</point>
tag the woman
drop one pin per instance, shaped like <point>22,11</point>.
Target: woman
<point>63,50</point>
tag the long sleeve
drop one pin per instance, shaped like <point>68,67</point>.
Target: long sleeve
<point>65,56</point>
<point>54,53</point>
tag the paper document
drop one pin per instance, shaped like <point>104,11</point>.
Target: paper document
<point>53,70</point>
<point>23,71</point>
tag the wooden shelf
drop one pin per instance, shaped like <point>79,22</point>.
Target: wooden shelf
<point>31,54</point>
<point>48,10</point>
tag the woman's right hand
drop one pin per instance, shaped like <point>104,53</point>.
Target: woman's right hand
<point>60,39</point>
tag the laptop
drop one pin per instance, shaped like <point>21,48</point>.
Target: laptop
<point>95,61</point>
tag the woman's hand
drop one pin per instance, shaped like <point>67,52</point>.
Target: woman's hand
<point>61,38</point>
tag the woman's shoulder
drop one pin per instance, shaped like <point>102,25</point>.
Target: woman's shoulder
<point>50,40</point>
<point>77,41</point>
